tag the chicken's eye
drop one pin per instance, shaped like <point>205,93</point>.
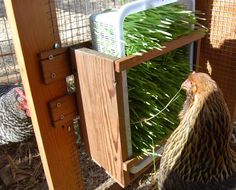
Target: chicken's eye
<point>18,98</point>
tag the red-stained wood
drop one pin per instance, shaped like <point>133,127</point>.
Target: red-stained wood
<point>133,60</point>
<point>197,48</point>
<point>34,32</point>
<point>56,66</point>
<point>234,113</point>
<point>54,52</point>
<point>63,110</point>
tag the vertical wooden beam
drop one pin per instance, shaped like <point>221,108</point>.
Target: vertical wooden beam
<point>82,128</point>
<point>34,32</point>
<point>234,114</point>
<point>197,48</point>
<point>123,109</point>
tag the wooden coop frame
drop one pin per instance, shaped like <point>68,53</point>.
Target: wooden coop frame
<point>44,69</point>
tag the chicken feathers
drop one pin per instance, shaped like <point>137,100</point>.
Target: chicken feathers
<point>198,156</point>
<point>15,123</point>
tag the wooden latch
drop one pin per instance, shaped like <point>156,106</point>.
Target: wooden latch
<point>55,64</point>
<point>63,110</point>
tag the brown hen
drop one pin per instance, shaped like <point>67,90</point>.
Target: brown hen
<point>198,156</point>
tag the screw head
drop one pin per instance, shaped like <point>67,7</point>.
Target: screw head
<point>114,83</point>
<point>56,45</point>
<point>62,117</point>
<point>50,57</point>
<point>53,75</point>
<point>58,104</point>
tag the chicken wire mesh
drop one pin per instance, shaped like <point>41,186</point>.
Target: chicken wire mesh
<point>73,18</point>
<point>71,23</point>
<point>218,52</point>
<point>9,71</point>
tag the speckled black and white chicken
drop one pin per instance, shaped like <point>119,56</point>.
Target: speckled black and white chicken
<point>15,121</point>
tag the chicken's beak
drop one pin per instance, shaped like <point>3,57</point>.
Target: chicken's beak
<point>186,85</point>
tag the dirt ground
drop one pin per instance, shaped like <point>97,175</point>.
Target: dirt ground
<point>21,169</point>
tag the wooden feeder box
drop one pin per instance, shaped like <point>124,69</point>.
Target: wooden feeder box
<point>102,89</point>
<point>103,106</point>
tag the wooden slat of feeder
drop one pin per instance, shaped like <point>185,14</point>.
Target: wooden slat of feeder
<point>33,33</point>
<point>103,124</point>
<point>133,60</point>
<point>127,165</point>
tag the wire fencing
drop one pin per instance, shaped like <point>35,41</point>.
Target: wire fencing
<point>72,20</point>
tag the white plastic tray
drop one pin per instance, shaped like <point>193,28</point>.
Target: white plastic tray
<point>114,21</point>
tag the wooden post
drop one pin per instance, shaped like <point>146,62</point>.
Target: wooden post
<point>197,48</point>
<point>234,114</point>
<point>33,27</point>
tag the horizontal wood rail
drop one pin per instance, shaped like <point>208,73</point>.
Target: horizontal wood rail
<point>136,160</point>
<point>134,60</point>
